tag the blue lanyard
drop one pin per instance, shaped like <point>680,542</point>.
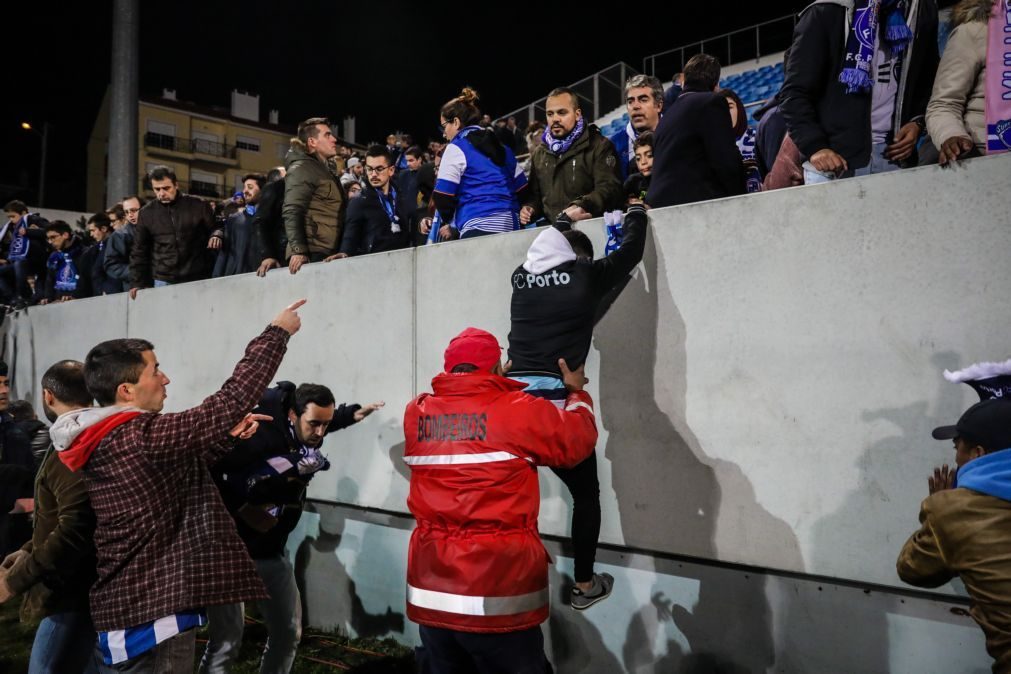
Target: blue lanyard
<point>390,207</point>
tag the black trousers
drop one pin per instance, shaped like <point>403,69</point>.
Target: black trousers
<point>582,483</point>
<point>453,652</point>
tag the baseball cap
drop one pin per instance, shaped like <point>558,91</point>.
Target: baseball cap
<point>475,346</point>
<point>987,423</point>
<point>354,161</point>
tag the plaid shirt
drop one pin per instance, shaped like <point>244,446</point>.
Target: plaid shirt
<point>165,541</point>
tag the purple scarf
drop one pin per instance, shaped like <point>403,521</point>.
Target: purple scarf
<point>560,146</point>
<point>867,17</point>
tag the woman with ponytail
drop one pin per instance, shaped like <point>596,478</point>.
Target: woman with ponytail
<point>479,182</point>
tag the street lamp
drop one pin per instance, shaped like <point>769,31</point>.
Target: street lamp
<point>42,165</point>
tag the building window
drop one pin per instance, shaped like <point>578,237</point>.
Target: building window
<point>247,143</point>
<point>282,150</point>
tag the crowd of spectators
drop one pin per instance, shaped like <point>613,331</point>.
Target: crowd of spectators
<point>132,522</point>
<point>844,109</point>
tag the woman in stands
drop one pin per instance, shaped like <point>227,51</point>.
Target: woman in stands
<point>477,188</point>
<point>745,138</point>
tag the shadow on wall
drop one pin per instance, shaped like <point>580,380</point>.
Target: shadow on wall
<point>859,630</point>
<point>576,643</point>
<point>670,494</point>
<point>321,577</point>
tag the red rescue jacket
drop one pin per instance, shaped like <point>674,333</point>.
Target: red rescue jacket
<point>476,562</point>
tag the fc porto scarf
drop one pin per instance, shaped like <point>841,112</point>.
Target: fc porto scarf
<point>560,146</point>
<point>998,79</point>
<point>867,17</point>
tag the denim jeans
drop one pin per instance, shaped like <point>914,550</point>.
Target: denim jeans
<point>878,163</point>
<point>173,656</point>
<point>64,644</point>
<point>282,614</point>
<point>14,280</point>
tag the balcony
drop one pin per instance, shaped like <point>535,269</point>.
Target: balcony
<point>194,188</point>
<point>194,149</point>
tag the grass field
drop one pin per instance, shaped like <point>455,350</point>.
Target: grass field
<point>319,652</point>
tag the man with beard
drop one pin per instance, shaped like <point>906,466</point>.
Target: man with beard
<point>55,569</point>
<point>644,104</point>
<point>263,482</point>
<point>574,170</point>
<point>238,252</point>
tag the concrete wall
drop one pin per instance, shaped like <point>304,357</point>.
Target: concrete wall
<point>766,382</point>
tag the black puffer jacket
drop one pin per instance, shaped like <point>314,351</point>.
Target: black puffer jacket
<point>286,491</point>
<point>170,242</point>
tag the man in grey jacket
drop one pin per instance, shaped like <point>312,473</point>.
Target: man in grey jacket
<point>117,252</point>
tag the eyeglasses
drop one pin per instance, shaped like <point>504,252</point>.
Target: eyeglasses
<point>375,169</point>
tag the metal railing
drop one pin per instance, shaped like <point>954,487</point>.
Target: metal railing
<point>189,145</point>
<point>598,93</point>
<point>196,188</point>
<point>754,42</point>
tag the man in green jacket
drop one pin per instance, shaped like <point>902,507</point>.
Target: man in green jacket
<point>56,568</point>
<point>314,201</point>
<point>575,170</point>
<point>966,523</point>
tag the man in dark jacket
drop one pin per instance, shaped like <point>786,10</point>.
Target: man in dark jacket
<point>378,220</point>
<point>94,280</point>
<point>557,294</point>
<point>263,482</point>
<point>268,222</point>
<point>55,569</point>
<point>314,200</point>
<point>63,280</point>
<point>854,97</point>
<point>575,170</point>
<point>695,156</point>
<point>239,252</point>
<point>170,244</point>
<point>120,246</point>
<point>26,254</point>
<point>17,470</point>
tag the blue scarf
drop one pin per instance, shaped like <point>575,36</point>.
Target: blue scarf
<point>990,474</point>
<point>559,146</point>
<point>867,15</point>
<point>19,243</point>
<point>66,271</point>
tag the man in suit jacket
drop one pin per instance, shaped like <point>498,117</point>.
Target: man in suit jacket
<point>695,156</point>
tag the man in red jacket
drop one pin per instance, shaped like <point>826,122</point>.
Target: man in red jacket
<point>477,572</point>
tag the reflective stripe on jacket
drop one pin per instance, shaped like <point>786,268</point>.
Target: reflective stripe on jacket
<point>476,562</point>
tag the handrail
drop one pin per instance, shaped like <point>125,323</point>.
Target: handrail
<point>529,112</point>
<point>649,62</point>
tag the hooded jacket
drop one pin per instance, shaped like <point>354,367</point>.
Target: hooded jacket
<point>819,113</point>
<point>966,532</point>
<point>314,204</point>
<point>956,105</point>
<point>556,296</point>
<point>476,562</point>
<point>164,540</point>
<point>585,175</point>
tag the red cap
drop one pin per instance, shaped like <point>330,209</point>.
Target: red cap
<point>474,346</point>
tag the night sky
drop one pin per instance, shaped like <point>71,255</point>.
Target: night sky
<point>391,64</point>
